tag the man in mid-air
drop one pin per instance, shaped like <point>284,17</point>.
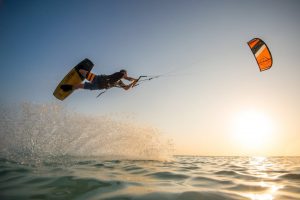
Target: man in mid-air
<point>99,82</point>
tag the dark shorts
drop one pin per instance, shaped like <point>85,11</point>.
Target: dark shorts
<point>98,83</point>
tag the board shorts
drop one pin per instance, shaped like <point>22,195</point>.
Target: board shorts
<point>98,83</point>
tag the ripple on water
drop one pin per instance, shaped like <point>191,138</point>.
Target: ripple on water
<point>289,188</point>
<point>132,168</point>
<point>209,196</point>
<point>291,176</point>
<point>205,181</point>
<point>70,186</point>
<point>168,175</point>
<point>99,165</point>
<point>236,175</point>
<point>189,195</point>
<point>246,188</point>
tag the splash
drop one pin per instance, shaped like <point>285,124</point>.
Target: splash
<point>37,132</point>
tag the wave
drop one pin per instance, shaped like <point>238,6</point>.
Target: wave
<point>249,188</point>
<point>61,187</point>
<point>209,196</point>
<point>225,172</point>
<point>201,180</point>
<point>35,132</point>
<point>237,175</point>
<point>204,195</point>
<point>168,175</point>
<point>291,176</point>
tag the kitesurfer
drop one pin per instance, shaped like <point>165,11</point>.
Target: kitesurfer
<point>99,82</point>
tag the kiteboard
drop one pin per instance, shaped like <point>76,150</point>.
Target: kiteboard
<point>72,78</point>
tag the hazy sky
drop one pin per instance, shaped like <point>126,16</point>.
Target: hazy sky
<point>215,81</point>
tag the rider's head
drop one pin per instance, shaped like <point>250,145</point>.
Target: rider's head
<point>124,72</point>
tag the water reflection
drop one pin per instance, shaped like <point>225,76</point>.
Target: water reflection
<point>263,168</point>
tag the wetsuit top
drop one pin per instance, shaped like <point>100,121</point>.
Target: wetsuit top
<point>104,81</point>
<point>114,78</point>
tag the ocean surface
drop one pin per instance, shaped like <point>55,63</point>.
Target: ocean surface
<point>48,152</point>
<point>183,177</point>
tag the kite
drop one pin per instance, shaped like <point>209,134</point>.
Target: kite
<point>262,53</point>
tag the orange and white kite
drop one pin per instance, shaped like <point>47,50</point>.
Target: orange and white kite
<point>262,53</point>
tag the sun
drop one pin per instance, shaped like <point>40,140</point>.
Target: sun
<point>252,129</point>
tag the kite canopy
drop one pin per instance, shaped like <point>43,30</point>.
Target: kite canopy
<point>262,53</point>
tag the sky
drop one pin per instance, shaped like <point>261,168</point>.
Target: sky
<point>212,92</point>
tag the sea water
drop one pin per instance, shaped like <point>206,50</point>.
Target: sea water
<point>185,177</point>
<point>46,152</point>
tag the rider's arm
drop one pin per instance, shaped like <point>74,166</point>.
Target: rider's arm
<point>130,78</point>
<point>126,87</point>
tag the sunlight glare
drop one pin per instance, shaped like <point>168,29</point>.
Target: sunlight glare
<point>252,129</point>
